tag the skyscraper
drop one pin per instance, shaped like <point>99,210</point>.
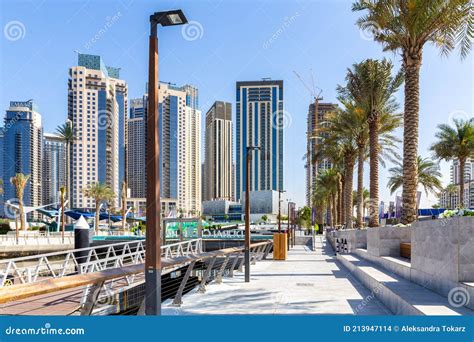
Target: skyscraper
<point>218,152</point>
<point>259,122</point>
<point>312,135</point>
<point>23,150</point>
<point>180,125</point>
<point>54,167</point>
<point>97,107</point>
<point>136,149</point>
<point>468,171</point>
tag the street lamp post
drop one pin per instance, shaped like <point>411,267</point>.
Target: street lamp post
<point>153,212</point>
<point>288,225</point>
<point>279,210</point>
<point>247,212</point>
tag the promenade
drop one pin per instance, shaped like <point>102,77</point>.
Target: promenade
<point>308,282</point>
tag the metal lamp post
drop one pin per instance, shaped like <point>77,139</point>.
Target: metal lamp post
<point>153,212</point>
<point>279,209</point>
<point>247,212</point>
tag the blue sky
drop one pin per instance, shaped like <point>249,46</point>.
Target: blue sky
<point>228,41</point>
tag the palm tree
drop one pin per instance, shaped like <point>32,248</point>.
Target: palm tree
<point>333,154</point>
<point>99,192</point>
<point>20,181</point>
<point>371,85</point>
<point>340,129</point>
<point>405,27</point>
<point>123,194</point>
<point>429,176</point>
<point>327,183</point>
<point>451,190</point>
<point>62,195</point>
<point>456,143</point>
<point>320,201</point>
<point>67,134</point>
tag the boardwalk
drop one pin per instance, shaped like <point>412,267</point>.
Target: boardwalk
<point>309,282</point>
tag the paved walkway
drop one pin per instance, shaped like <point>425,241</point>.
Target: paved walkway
<point>309,282</point>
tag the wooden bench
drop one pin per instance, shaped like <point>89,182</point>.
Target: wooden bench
<point>405,250</point>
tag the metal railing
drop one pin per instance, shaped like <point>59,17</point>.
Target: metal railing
<point>111,290</point>
<point>36,238</point>
<point>33,268</point>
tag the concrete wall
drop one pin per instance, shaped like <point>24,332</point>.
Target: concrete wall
<point>444,248</point>
<point>356,238</point>
<point>385,241</point>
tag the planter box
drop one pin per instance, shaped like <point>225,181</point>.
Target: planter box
<point>444,248</point>
<point>385,241</point>
<point>405,250</point>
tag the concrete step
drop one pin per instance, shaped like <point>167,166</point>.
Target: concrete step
<point>402,267</point>
<point>400,295</point>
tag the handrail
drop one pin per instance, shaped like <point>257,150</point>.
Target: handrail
<point>31,269</point>
<point>22,291</point>
<point>51,254</point>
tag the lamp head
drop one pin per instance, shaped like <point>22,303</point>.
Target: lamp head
<point>169,18</point>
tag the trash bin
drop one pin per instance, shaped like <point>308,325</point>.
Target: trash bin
<point>280,246</point>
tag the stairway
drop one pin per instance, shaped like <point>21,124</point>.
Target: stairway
<point>400,295</point>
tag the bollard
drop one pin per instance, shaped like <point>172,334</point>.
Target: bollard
<point>81,240</point>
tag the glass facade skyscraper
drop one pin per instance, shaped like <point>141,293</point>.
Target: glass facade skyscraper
<point>54,167</point>
<point>259,122</point>
<point>23,150</point>
<point>136,148</point>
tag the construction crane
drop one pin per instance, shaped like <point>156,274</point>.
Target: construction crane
<point>315,93</point>
<point>316,97</point>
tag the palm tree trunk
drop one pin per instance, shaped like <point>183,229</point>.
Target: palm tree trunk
<point>374,123</point>
<point>22,213</point>
<point>330,210</point>
<point>62,218</point>
<point>341,204</point>
<point>349,167</point>
<point>334,205</point>
<point>124,210</point>
<point>410,136</point>
<point>97,208</point>
<point>360,187</point>
<point>338,202</point>
<point>17,235</point>
<point>462,163</point>
<point>68,147</point>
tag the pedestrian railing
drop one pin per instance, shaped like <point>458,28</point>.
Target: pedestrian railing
<point>36,238</point>
<point>110,287</point>
<point>34,268</point>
